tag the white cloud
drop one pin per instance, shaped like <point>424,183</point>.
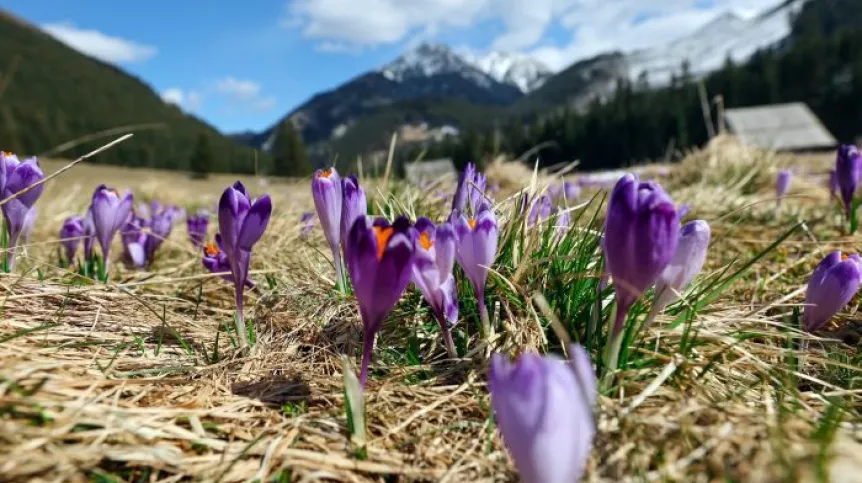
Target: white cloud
<point>244,93</point>
<point>189,100</point>
<point>580,27</point>
<point>115,50</point>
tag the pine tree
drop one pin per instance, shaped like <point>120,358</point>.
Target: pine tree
<point>201,162</point>
<point>290,157</point>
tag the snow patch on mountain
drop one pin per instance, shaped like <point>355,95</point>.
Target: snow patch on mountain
<point>428,60</point>
<point>517,69</point>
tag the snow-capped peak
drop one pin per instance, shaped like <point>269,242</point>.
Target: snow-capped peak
<point>426,60</point>
<point>519,70</point>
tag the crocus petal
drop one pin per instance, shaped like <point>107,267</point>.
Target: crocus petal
<point>833,284</point>
<point>448,291</point>
<point>354,204</point>
<point>136,254</point>
<point>686,262</point>
<point>255,223</point>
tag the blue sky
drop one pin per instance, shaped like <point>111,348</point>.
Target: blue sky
<point>243,65</point>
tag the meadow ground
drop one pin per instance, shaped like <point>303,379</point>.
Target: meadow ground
<point>137,380</point>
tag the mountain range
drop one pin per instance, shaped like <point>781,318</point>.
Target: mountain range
<point>432,85</point>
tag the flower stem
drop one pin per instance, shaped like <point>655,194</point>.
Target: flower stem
<point>242,332</point>
<point>485,321</point>
<point>340,284</point>
<point>447,336</point>
<point>367,347</point>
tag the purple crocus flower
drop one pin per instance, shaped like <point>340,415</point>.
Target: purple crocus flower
<point>432,274</point>
<point>307,219</point>
<point>134,240</point>
<point>685,264</point>
<point>70,236</point>
<point>477,248</point>
<point>110,213</point>
<point>197,226</point>
<point>215,260</point>
<point>540,210</point>
<point>571,191</point>
<point>242,223</point>
<point>160,226</point>
<point>782,183</point>
<point>353,204</point>
<point>848,169</point>
<point>544,409</point>
<point>89,234</point>
<point>470,191</point>
<point>641,235</point>
<point>17,176</point>
<point>380,263</point>
<point>328,200</point>
<point>833,284</point>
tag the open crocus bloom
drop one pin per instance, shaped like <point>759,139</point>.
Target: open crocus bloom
<point>477,248</point>
<point>380,262</point>
<point>432,274</point>
<point>16,177</point>
<point>328,200</point>
<point>110,214</point>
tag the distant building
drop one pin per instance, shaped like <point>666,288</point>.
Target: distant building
<point>780,127</point>
<point>431,170</point>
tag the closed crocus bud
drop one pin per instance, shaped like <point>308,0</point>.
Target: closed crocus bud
<point>380,264</point>
<point>685,264</point>
<point>477,248</point>
<point>353,205</point>
<point>70,236</point>
<point>160,226</point>
<point>471,190</point>
<point>459,201</point>
<point>328,200</point>
<point>540,210</point>
<point>641,235</point>
<point>432,274</point>
<point>782,183</point>
<point>543,407</point>
<point>20,176</point>
<point>848,169</point>
<point>134,240</point>
<point>242,222</point>
<point>571,191</point>
<point>197,226</point>
<point>110,214</point>
<point>833,284</point>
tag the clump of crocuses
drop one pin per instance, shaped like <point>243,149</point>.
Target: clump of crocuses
<point>686,263</point>
<point>197,226</point>
<point>432,274</point>
<point>110,214</point>
<point>544,409</point>
<point>833,284</point>
<point>242,222</point>
<point>21,179</point>
<point>380,262</point>
<point>641,236</point>
<point>71,233</point>
<point>477,249</point>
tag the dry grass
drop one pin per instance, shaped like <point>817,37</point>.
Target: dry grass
<point>117,382</point>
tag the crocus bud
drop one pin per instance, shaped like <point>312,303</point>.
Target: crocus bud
<point>353,205</point>
<point>197,225</point>
<point>432,274</point>
<point>782,183</point>
<point>571,191</point>
<point>459,201</point>
<point>848,169</point>
<point>641,235</point>
<point>380,263</point>
<point>471,190</point>
<point>328,199</point>
<point>160,226</point>
<point>110,214</point>
<point>70,236</point>
<point>540,210</point>
<point>543,407</point>
<point>242,222</point>
<point>834,187</point>
<point>685,264</point>
<point>19,176</point>
<point>477,248</point>
<point>134,240</point>
<point>833,284</point>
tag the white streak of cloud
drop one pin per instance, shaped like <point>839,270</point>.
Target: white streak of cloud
<point>115,50</point>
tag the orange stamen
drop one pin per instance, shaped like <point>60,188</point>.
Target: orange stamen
<point>212,249</point>
<point>472,223</point>
<point>325,173</point>
<point>383,236</point>
<point>7,153</point>
<point>425,241</point>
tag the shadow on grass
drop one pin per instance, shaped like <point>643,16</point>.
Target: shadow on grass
<point>275,390</point>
